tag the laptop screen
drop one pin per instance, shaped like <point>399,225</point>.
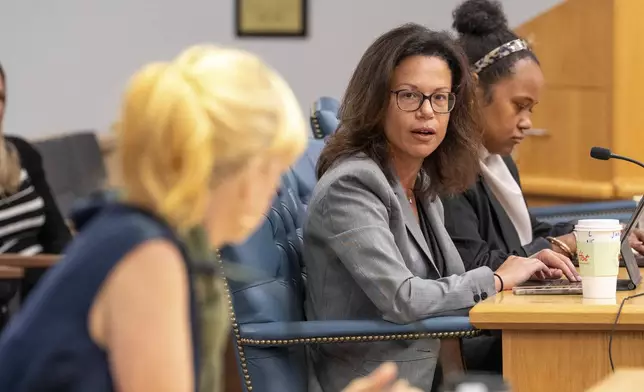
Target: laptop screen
<point>627,252</point>
<point>632,223</point>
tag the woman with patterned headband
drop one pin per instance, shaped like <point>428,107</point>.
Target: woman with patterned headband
<point>491,221</point>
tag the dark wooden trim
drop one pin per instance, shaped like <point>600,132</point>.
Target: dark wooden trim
<point>302,33</point>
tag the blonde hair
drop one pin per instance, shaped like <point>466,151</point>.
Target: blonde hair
<point>187,123</point>
<point>9,167</point>
<point>9,160</point>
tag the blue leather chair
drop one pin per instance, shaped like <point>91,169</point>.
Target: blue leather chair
<point>302,178</point>
<point>269,325</point>
<point>324,117</point>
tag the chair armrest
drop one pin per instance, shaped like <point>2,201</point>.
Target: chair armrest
<point>353,331</point>
<point>36,261</point>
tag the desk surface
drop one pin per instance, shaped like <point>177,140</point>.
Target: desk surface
<point>623,380</point>
<point>562,312</point>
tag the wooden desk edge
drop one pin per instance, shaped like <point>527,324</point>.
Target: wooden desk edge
<point>11,272</point>
<point>36,261</point>
<point>526,326</point>
<point>547,318</point>
<point>559,312</point>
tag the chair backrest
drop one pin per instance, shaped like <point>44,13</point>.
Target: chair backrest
<point>271,290</point>
<point>301,179</point>
<point>324,117</point>
<point>73,165</point>
<point>617,209</point>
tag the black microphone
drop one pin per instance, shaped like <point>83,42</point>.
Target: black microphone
<point>605,154</point>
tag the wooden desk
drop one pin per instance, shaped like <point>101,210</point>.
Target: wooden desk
<point>560,342</point>
<point>37,261</point>
<point>624,380</point>
<point>11,272</point>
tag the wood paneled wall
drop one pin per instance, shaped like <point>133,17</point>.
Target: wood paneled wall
<point>628,95</point>
<point>593,69</point>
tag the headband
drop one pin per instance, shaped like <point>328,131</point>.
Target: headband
<point>498,53</point>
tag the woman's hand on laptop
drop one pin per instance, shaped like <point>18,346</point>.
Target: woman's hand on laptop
<point>382,379</point>
<point>545,264</point>
<point>557,264</point>
<point>516,270</point>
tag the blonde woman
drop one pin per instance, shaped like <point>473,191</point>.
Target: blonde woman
<point>134,306</point>
<point>30,222</point>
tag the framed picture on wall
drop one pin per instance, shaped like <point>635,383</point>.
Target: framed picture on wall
<point>271,18</point>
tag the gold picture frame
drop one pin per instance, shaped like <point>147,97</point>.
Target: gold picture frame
<point>271,18</point>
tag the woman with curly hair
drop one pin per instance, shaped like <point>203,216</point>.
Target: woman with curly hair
<point>375,245</point>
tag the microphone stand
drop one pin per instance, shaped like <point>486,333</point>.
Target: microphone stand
<point>627,159</point>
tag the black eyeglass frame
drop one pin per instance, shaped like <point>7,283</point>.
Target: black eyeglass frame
<point>451,98</point>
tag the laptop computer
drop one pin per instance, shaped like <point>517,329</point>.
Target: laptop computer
<point>563,286</point>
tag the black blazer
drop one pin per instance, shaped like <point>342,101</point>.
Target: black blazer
<point>482,230</point>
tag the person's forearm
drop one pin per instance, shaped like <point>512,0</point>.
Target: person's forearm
<point>418,298</point>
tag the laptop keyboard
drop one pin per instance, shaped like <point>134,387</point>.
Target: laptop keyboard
<point>551,283</point>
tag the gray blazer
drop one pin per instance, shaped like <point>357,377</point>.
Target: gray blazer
<point>366,258</point>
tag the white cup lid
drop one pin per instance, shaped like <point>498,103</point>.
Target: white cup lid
<point>598,224</point>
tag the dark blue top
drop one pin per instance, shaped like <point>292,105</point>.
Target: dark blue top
<point>47,346</point>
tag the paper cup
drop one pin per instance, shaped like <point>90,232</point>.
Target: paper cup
<point>598,248</point>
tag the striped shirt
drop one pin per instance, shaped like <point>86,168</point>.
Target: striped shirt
<point>21,218</point>
<point>30,222</point>
<point>30,216</point>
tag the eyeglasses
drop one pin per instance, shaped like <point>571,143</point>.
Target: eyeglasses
<point>410,100</point>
